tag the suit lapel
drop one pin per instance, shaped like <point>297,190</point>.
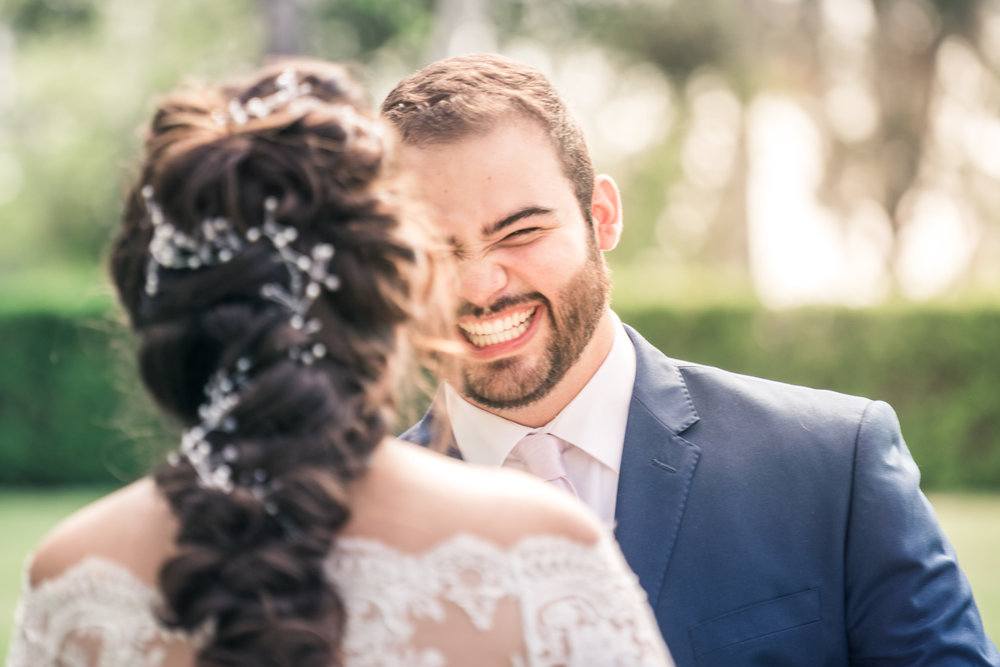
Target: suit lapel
<point>433,430</point>
<point>657,466</point>
<point>657,463</point>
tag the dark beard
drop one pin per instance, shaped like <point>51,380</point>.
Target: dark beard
<point>582,304</point>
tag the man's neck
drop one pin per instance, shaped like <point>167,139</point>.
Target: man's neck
<point>544,410</point>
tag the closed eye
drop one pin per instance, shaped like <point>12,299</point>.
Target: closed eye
<point>523,234</point>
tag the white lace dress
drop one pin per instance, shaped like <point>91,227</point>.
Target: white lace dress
<point>546,601</point>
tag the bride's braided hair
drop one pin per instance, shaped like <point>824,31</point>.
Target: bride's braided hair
<point>249,569</point>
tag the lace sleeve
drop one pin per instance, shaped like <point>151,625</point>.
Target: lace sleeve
<point>582,605</point>
<point>96,614</point>
<point>545,602</point>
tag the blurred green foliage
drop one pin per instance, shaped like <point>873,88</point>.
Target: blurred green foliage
<point>365,26</point>
<point>82,79</point>
<point>936,367</point>
<point>70,407</point>
<point>78,78</point>
<point>71,410</point>
<point>32,17</point>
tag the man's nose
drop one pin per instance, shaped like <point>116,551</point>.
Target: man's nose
<point>480,280</point>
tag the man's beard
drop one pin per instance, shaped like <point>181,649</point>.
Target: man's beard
<point>506,384</point>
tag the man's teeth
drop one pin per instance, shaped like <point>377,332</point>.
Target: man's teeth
<point>499,330</point>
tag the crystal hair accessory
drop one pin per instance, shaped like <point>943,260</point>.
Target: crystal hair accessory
<point>308,274</point>
<point>215,242</point>
<point>289,91</point>
<point>213,467</point>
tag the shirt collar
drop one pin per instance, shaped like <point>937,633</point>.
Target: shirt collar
<point>594,420</point>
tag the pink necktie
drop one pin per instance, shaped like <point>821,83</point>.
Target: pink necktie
<point>542,453</point>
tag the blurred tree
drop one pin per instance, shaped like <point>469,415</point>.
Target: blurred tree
<point>358,30</point>
<point>285,29</point>
<point>41,16</point>
<point>899,154</point>
<point>82,75</point>
<point>869,76</point>
<point>901,96</point>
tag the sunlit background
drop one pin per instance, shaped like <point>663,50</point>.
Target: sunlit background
<point>790,152</point>
<point>811,187</point>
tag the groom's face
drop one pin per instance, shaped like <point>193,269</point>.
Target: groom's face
<point>532,282</point>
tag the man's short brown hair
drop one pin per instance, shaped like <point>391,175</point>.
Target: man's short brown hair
<point>455,98</point>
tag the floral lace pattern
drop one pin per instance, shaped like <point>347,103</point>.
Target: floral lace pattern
<point>574,604</point>
<point>96,614</point>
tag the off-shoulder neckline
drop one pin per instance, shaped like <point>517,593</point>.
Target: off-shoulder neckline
<point>348,544</point>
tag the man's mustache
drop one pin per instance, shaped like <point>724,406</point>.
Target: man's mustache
<point>466,309</point>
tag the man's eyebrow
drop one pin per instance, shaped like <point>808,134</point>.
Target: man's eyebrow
<point>494,227</point>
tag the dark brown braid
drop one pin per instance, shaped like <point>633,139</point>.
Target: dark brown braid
<point>248,575</point>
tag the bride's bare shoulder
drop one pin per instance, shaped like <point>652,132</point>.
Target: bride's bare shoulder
<point>132,526</point>
<point>410,485</point>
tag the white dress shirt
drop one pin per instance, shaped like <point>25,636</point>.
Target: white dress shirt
<point>593,423</point>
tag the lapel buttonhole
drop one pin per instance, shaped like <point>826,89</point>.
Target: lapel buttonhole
<point>666,466</point>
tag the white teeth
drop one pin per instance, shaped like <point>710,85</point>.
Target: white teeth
<point>499,330</point>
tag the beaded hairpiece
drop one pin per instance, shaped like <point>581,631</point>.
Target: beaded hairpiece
<point>289,90</point>
<point>215,242</point>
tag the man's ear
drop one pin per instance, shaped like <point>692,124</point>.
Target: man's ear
<point>606,210</point>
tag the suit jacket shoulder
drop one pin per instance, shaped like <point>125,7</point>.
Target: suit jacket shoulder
<point>776,524</point>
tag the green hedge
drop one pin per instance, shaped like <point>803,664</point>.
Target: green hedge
<point>71,410</point>
<point>939,369</point>
<point>70,407</point>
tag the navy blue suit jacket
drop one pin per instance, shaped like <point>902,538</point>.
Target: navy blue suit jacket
<point>776,525</point>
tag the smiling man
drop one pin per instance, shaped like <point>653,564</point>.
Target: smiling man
<point>768,524</point>
<point>533,286</point>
